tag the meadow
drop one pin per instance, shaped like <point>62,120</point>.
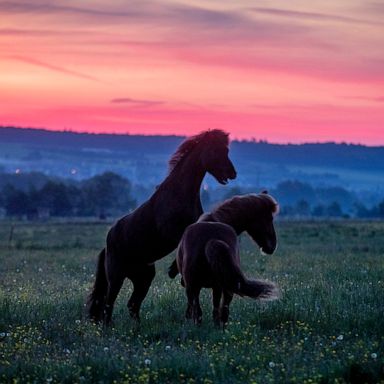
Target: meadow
<point>328,326</point>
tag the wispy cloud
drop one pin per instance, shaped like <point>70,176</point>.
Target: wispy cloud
<point>378,99</point>
<point>137,102</point>
<point>313,16</point>
<point>49,8</point>
<point>52,67</point>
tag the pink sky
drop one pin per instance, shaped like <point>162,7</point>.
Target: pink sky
<point>294,71</point>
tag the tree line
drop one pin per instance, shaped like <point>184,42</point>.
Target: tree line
<point>298,199</point>
<point>103,195</point>
<point>35,195</point>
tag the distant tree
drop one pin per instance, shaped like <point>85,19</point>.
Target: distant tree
<point>361,210</point>
<point>107,193</point>
<point>334,210</point>
<point>287,210</point>
<point>54,196</point>
<point>380,209</point>
<point>16,202</point>
<point>291,191</point>
<point>377,210</point>
<point>302,208</point>
<point>318,210</point>
<point>233,191</point>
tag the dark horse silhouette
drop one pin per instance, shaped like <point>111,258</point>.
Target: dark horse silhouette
<point>154,229</point>
<point>208,254</point>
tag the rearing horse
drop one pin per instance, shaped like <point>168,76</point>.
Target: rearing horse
<point>155,228</point>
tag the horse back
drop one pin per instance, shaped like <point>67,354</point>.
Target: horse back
<point>191,258</point>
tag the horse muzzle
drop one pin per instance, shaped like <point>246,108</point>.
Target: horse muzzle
<point>268,250</point>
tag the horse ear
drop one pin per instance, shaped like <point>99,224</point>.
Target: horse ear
<point>264,191</point>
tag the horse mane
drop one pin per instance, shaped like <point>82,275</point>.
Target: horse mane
<point>243,206</point>
<point>186,147</point>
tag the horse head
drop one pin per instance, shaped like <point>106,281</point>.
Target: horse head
<point>261,229</point>
<point>214,156</point>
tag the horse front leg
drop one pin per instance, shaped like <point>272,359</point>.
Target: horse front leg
<point>227,298</point>
<point>216,296</point>
<point>141,280</point>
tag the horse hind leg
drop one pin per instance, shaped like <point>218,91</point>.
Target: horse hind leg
<point>114,285</point>
<point>194,310</point>
<point>141,282</point>
<point>224,315</point>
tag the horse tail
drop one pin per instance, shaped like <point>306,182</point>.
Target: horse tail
<point>228,274</point>
<point>96,299</point>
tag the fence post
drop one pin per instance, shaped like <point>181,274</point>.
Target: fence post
<point>11,235</point>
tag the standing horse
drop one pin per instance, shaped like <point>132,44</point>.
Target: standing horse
<point>208,254</point>
<point>155,228</point>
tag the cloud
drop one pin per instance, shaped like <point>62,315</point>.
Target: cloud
<point>379,99</point>
<point>239,38</point>
<point>313,16</point>
<point>137,102</point>
<point>51,8</point>
<point>199,20</point>
<point>52,67</point>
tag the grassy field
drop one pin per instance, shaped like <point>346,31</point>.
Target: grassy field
<point>328,327</point>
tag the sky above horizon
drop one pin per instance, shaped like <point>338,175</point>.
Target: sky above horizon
<point>280,71</point>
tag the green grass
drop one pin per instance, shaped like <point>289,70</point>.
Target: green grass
<point>328,327</point>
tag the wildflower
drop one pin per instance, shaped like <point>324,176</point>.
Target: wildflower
<point>106,349</point>
<point>167,347</point>
<point>271,364</point>
<point>67,351</point>
<point>374,355</point>
<point>147,362</point>
<point>77,321</point>
<point>340,337</point>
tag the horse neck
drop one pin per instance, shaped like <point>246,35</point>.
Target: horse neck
<point>186,179</point>
<point>235,222</point>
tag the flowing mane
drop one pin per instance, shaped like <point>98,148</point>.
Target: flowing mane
<point>213,136</point>
<point>244,206</point>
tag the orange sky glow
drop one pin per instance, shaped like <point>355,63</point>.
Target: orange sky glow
<point>280,71</point>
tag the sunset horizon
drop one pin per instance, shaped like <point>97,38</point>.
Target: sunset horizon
<point>232,136</point>
<point>284,73</point>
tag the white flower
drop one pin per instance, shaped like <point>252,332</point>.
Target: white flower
<point>271,364</point>
<point>67,351</point>
<point>77,321</point>
<point>340,337</point>
<point>106,349</point>
<point>374,355</point>
<point>147,362</point>
<point>167,347</point>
